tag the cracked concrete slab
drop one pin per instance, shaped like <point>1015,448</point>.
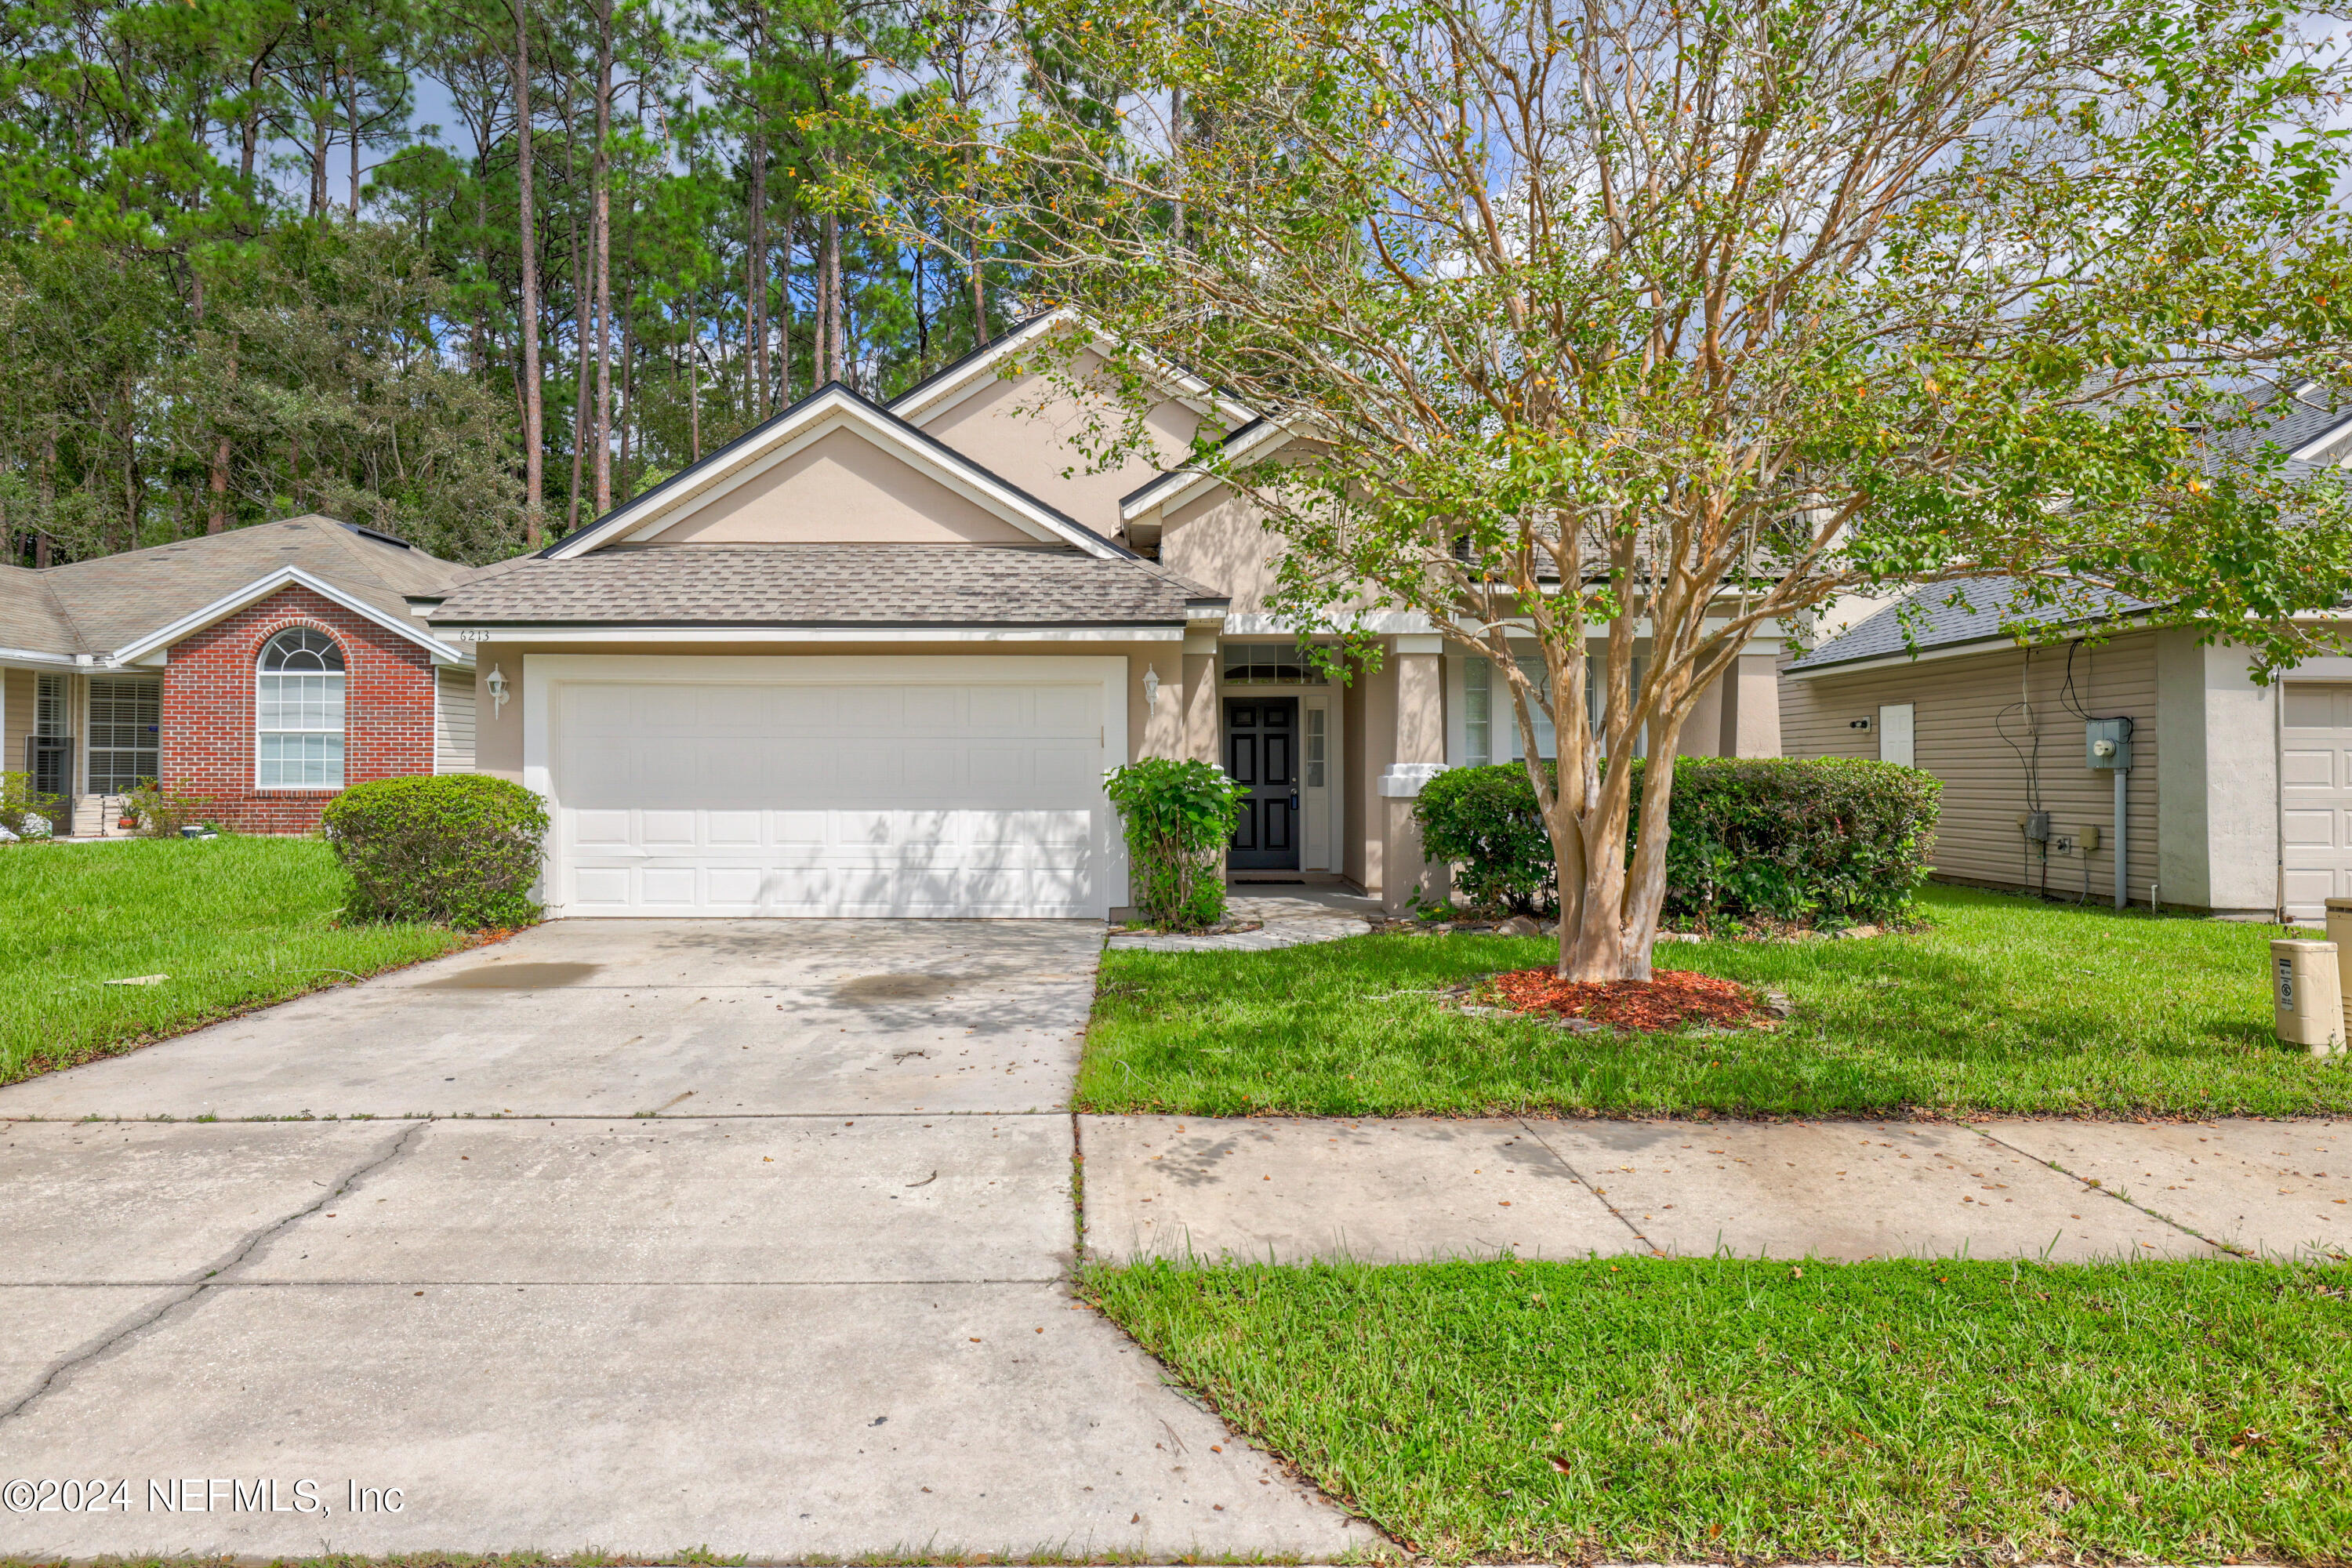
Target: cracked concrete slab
<point>744,1200</point>
<point>589,1327</point>
<point>52,1325</point>
<point>779,1420</point>
<point>110,1202</point>
<point>2272,1188</point>
<point>1404,1190</point>
<point>1850,1190</point>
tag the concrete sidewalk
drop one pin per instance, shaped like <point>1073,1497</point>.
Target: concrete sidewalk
<point>1413,1190</point>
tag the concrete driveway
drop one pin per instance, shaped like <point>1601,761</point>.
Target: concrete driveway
<point>639,1236</point>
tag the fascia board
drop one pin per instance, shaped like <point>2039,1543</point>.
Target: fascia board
<point>667,498</point>
<point>544,632</point>
<point>928,402</point>
<point>839,409</point>
<point>975,486</point>
<point>1179,490</point>
<point>31,656</point>
<point>925,403</point>
<point>261,588</point>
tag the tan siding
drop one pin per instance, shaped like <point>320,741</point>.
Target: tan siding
<point>1956,702</point>
<point>453,721</point>
<point>17,720</point>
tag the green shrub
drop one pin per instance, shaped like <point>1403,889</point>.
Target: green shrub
<point>19,801</point>
<point>153,812</point>
<point>459,849</point>
<point>1179,816</point>
<point>1834,840</point>
<point>1483,821</point>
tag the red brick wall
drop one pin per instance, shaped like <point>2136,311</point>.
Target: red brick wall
<point>208,699</point>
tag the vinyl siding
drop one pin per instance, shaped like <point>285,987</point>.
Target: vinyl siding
<point>1955,703</point>
<point>15,716</point>
<point>453,721</point>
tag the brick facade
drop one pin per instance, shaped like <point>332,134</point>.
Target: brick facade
<point>208,740</point>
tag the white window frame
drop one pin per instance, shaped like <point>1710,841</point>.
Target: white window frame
<point>340,729</point>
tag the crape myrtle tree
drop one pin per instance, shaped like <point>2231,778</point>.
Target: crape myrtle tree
<point>1625,332</point>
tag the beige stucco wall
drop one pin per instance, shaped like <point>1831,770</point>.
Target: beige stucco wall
<point>1033,430</point>
<point>841,489</point>
<point>1959,718</point>
<point>1221,542</point>
<point>1152,730</point>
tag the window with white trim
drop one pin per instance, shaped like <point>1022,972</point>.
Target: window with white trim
<point>125,722</point>
<point>298,708</point>
<point>1488,713</point>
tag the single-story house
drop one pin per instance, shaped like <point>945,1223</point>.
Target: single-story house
<point>262,669</point>
<point>2237,799</point>
<point>875,660</point>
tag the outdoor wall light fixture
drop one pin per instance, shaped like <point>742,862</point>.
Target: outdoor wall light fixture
<point>497,685</point>
<point>1150,686</point>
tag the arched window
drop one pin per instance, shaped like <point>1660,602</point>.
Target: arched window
<point>299,710</point>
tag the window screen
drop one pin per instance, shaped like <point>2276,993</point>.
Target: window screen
<point>125,715</point>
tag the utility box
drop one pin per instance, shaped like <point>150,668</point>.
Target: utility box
<point>2106,743</point>
<point>2339,931</point>
<point>2306,995</point>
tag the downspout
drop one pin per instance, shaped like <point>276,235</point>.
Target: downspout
<point>2123,845</point>
<point>2278,798</point>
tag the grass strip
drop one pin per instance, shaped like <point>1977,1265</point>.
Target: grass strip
<point>234,922</point>
<point>1644,1409</point>
<point>2005,1004</point>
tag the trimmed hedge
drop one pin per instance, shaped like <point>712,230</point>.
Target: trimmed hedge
<point>459,849</point>
<point>1835,840</point>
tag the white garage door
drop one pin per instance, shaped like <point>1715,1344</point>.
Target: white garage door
<point>782,797</point>
<point>2315,784</point>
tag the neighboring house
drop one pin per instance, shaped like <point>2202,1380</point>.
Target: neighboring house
<point>262,669</point>
<point>871,661</point>
<point>2237,803</point>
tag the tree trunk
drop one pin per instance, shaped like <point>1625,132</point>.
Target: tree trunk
<point>352,107</point>
<point>755,265</point>
<point>601,223</point>
<point>978,288</point>
<point>579,271</point>
<point>791,230</point>
<point>832,323</point>
<point>629,405</point>
<point>694,375</point>
<point>534,453</point>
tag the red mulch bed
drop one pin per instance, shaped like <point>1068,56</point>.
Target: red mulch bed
<point>1668,1000</point>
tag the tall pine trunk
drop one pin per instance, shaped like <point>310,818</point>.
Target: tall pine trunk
<point>755,264</point>
<point>601,240</point>
<point>534,450</point>
<point>831,325</point>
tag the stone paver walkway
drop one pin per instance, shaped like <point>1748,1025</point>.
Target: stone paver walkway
<point>1293,916</point>
<point>1413,1190</point>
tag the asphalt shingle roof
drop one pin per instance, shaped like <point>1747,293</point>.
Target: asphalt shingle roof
<point>99,605</point>
<point>1930,617</point>
<point>824,585</point>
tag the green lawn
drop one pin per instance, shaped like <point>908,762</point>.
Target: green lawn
<point>236,923</point>
<point>1732,1410</point>
<point>2005,1004</point>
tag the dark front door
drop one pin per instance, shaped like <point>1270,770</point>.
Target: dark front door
<point>1262,752</point>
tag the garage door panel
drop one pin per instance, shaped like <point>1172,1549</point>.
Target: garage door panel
<point>2303,768</point>
<point>2316,795</point>
<point>955,798</point>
